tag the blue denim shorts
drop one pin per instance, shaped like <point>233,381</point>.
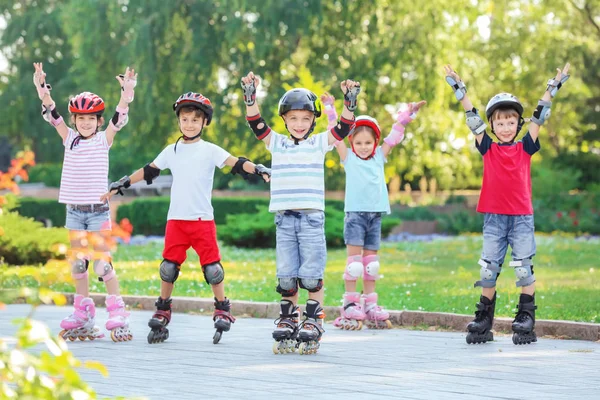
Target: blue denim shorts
<point>501,230</point>
<point>90,218</point>
<point>301,247</point>
<point>363,229</point>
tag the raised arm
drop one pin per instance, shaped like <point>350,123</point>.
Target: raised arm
<point>351,89</point>
<point>128,81</point>
<point>329,108</point>
<point>396,135</point>
<point>542,111</point>
<point>49,111</point>
<point>474,121</point>
<point>258,125</point>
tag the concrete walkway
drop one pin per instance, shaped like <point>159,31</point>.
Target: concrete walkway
<point>396,364</point>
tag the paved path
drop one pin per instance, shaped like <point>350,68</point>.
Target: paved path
<point>394,364</point>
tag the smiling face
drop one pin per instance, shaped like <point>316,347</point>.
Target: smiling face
<point>363,142</point>
<point>505,123</point>
<point>191,121</point>
<point>86,124</point>
<point>298,122</point>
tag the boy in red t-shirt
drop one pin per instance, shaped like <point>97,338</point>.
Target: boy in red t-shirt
<point>505,201</point>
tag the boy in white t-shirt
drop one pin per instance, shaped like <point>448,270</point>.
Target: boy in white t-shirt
<point>190,219</point>
<point>83,180</point>
<point>298,199</point>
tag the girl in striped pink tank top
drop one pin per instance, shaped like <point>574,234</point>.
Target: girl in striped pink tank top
<point>84,179</point>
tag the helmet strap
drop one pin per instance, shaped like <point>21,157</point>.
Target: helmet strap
<point>297,141</point>
<point>185,138</point>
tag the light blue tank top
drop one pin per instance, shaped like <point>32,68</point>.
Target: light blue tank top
<point>365,183</point>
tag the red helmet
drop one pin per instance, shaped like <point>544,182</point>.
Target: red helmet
<point>365,120</point>
<point>194,100</point>
<point>86,103</point>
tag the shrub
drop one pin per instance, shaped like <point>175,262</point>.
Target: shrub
<point>47,173</point>
<point>42,210</point>
<point>25,241</point>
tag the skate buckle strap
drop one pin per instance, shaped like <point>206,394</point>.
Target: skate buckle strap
<point>223,314</point>
<point>526,306</point>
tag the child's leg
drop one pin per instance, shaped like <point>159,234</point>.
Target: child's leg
<point>102,244</point>
<point>79,260</point>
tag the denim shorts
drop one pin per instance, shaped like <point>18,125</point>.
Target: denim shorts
<point>89,220</point>
<point>501,230</point>
<point>363,229</point>
<point>301,247</point>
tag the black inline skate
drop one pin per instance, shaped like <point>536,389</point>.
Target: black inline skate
<point>524,324</point>
<point>159,321</point>
<point>287,329</point>
<point>480,329</point>
<point>222,318</point>
<point>311,329</point>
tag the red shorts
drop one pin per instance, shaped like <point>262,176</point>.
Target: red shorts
<point>200,235</point>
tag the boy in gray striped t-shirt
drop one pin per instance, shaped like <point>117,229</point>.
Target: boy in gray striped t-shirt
<point>297,199</point>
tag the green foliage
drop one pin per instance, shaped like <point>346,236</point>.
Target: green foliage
<point>42,210</point>
<point>47,173</point>
<point>415,213</point>
<point>24,241</point>
<point>460,222</point>
<point>387,224</point>
<point>28,373</point>
<point>551,185</point>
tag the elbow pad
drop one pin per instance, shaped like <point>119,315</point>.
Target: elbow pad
<point>341,130</point>
<point>258,126</point>
<point>150,173</point>
<point>51,115</point>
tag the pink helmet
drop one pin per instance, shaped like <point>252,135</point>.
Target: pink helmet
<point>86,103</point>
<point>365,120</point>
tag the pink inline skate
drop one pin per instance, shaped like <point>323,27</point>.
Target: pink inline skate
<point>82,323</point>
<point>352,314</point>
<point>377,317</point>
<point>118,319</point>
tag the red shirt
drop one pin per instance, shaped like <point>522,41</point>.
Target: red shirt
<point>506,187</point>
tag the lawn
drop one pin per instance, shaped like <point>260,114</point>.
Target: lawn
<point>433,276</point>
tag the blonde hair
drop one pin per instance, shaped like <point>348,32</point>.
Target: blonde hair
<point>503,113</point>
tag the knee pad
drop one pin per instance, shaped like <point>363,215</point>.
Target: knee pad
<point>489,273</point>
<point>354,268</point>
<point>287,287</point>
<point>371,264</point>
<point>523,271</point>
<point>169,271</point>
<point>312,285</point>
<point>213,273</point>
<point>79,268</point>
<point>104,270</point>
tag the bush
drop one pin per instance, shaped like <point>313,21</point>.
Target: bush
<point>25,241</point>
<point>42,210</point>
<point>460,222</point>
<point>47,173</point>
<point>387,224</point>
<point>149,215</point>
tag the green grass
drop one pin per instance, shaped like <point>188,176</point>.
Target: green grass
<point>435,276</point>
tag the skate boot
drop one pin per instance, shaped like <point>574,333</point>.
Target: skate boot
<point>82,323</point>
<point>480,329</point>
<point>118,319</point>
<point>311,329</point>
<point>159,321</point>
<point>222,318</point>
<point>287,328</point>
<point>376,317</point>
<point>352,314</point>
<point>524,324</point>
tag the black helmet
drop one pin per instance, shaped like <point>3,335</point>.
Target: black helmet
<point>299,99</point>
<point>504,100</point>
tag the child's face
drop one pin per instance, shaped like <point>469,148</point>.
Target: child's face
<point>86,124</point>
<point>190,124</point>
<point>298,122</point>
<point>505,128</point>
<point>363,143</point>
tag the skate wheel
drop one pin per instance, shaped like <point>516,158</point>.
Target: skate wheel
<point>302,348</point>
<point>82,338</point>
<point>359,326</point>
<point>276,348</point>
<point>388,324</point>
<point>217,337</point>
<point>114,336</point>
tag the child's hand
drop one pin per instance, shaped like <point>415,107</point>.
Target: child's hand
<point>452,73</point>
<point>348,84</point>
<point>455,82</point>
<point>351,89</point>
<point>128,82</point>
<point>39,80</point>
<point>413,108</point>
<point>561,74</point>
<point>327,99</point>
<point>249,83</point>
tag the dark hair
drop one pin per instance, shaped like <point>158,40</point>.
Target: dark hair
<point>197,112</point>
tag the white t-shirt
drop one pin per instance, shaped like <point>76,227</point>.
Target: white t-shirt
<point>297,172</point>
<point>84,175</point>
<point>193,170</point>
